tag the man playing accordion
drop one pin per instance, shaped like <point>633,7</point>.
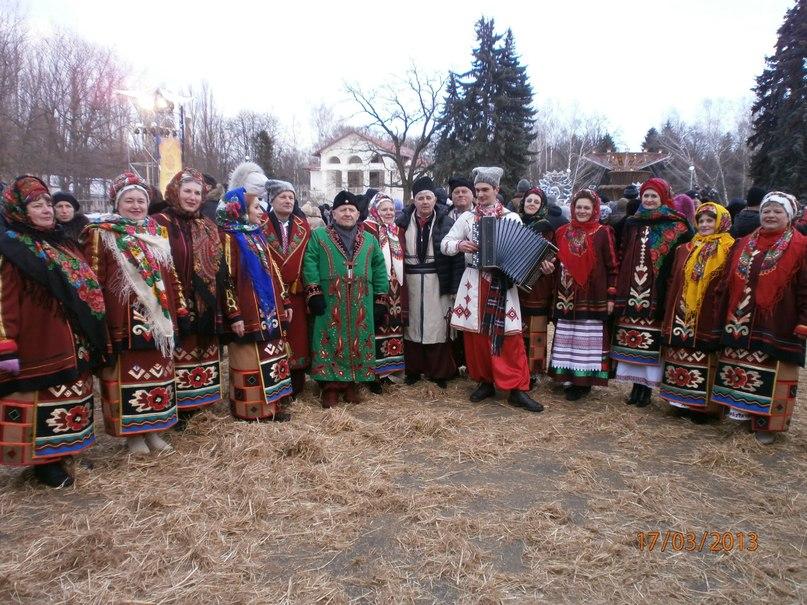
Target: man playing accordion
<point>487,307</point>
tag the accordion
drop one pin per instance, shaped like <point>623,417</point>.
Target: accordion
<point>512,248</point>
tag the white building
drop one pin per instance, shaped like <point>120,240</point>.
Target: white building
<point>354,162</point>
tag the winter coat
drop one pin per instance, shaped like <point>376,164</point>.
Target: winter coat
<point>449,268</point>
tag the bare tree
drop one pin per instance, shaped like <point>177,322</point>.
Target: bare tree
<point>563,136</point>
<point>404,114</point>
<point>713,145</point>
<point>13,45</point>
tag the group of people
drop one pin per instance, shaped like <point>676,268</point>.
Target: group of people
<point>147,303</point>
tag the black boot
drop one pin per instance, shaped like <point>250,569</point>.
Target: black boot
<point>521,399</point>
<point>411,379</point>
<point>577,392</point>
<point>53,474</point>
<point>634,394</point>
<point>483,391</point>
<point>374,387</point>
<point>440,382</point>
<point>643,399</point>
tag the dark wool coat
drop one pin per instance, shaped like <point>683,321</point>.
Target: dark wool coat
<point>449,268</point>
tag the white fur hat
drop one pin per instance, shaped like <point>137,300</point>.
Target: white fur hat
<point>251,177</point>
<point>488,174</point>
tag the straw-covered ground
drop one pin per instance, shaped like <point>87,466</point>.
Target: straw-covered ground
<point>419,495</point>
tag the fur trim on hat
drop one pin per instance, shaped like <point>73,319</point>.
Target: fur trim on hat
<point>345,197</point>
<point>491,175</point>
<point>275,187</point>
<point>240,177</point>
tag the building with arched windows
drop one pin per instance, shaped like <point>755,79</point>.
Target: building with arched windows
<point>355,162</point>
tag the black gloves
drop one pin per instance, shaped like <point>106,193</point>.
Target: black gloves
<point>316,304</point>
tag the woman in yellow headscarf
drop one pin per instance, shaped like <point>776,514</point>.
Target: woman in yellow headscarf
<point>692,322</point>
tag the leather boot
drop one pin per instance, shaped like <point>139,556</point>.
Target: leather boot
<point>634,394</point>
<point>351,393</point>
<point>330,396</point>
<point>643,399</point>
<point>374,387</point>
<point>522,400</point>
<point>53,474</point>
<point>483,391</point>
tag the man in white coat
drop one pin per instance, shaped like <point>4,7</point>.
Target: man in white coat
<point>486,307</point>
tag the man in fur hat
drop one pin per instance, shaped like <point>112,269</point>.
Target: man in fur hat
<point>287,234</point>
<point>487,308</point>
<point>345,280</point>
<point>461,192</point>
<point>431,282</point>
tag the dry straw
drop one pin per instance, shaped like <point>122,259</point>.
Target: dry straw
<point>416,496</point>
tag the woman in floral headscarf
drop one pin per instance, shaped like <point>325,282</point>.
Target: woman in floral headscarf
<point>535,304</point>
<point>52,334</point>
<point>206,285</point>
<point>692,321</point>
<point>649,240</point>
<point>131,255</point>
<point>765,321</point>
<point>585,289</point>
<point>260,375</point>
<point>388,335</point>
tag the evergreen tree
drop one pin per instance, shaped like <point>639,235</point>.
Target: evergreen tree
<point>264,154</point>
<point>651,141</point>
<point>488,117</point>
<point>779,141</point>
<point>605,144</point>
<point>453,122</point>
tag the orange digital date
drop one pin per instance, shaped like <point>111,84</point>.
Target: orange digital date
<point>706,541</point>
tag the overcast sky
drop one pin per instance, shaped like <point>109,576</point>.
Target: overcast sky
<point>631,61</point>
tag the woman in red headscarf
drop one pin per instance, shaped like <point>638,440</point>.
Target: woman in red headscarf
<point>206,285</point>
<point>765,321</point>
<point>131,255</point>
<point>52,334</point>
<point>649,240</point>
<point>585,289</point>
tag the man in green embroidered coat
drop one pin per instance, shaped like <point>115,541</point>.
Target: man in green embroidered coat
<point>345,280</point>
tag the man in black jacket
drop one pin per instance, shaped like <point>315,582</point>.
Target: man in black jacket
<point>431,280</point>
<point>747,219</point>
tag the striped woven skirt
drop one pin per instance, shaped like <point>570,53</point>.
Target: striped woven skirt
<point>687,379</point>
<point>198,370</point>
<point>534,330</point>
<point>755,384</point>
<point>637,349</point>
<point>41,426</point>
<point>260,378</point>
<point>138,395</point>
<point>580,352</point>
<point>389,355</point>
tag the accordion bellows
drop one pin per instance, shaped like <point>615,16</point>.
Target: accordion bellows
<point>513,248</point>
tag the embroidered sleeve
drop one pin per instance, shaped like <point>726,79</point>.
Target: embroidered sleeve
<point>379,278</point>
<point>455,235</point>
<point>311,277</point>
<point>182,306</point>
<point>94,254</point>
<point>611,262</point>
<point>231,309</point>
<point>9,309</point>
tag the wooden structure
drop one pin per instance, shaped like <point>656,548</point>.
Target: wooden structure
<point>623,168</point>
